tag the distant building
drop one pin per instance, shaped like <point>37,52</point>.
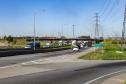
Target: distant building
<point>41,38</point>
<point>48,37</point>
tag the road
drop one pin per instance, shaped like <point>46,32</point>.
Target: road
<point>76,73</point>
<point>65,72</point>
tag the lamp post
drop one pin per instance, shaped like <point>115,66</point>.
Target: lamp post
<point>34,30</point>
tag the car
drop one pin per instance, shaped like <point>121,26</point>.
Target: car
<point>75,49</point>
<point>46,46</point>
<point>31,45</point>
<point>28,46</point>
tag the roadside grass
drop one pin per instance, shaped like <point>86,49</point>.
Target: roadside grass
<point>112,52</point>
<point>125,82</point>
<point>17,43</point>
<point>21,43</point>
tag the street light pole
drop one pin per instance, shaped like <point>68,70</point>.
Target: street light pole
<point>34,31</point>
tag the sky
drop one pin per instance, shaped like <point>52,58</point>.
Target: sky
<point>55,17</point>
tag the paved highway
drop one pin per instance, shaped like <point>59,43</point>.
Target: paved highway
<point>61,73</point>
<point>75,73</point>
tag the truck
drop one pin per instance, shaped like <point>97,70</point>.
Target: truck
<point>31,45</point>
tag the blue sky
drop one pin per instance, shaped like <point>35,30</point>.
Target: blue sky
<point>53,16</point>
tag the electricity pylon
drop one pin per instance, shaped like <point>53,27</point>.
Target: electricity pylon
<point>124,26</point>
<point>97,26</point>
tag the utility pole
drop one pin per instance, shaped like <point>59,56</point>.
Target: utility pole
<point>124,26</point>
<point>34,30</point>
<point>62,33</point>
<point>97,26</point>
<point>73,31</point>
<point>59,34</point>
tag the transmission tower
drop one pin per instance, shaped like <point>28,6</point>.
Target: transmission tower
<point>97,26</point>
<point>124,25</point>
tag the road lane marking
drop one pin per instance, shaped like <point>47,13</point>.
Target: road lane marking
<point>9,66</point>
<point>19,64</point>
<point>91,81</point>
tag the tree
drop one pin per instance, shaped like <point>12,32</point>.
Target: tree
<point>9,39</point>
<point>5,37</point>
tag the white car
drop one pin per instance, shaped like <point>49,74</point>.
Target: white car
<point>46,46</point>
<point>75,49</point>
<point>28,46</point>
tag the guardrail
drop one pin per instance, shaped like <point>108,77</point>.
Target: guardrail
<point>13,52</point>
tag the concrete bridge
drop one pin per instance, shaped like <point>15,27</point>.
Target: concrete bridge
<point>65,39</point>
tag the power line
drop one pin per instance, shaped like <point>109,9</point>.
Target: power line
<point>117,9</point>
<point>103,8</point>
<point>110,10</point>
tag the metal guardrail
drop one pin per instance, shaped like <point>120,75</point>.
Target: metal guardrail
<point>13,52</point>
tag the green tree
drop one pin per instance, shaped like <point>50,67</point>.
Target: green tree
<point>10,39</point>
<point>5,37</point>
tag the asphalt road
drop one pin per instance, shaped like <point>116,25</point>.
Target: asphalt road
<point>72,75</point>
<point>5,61</point>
